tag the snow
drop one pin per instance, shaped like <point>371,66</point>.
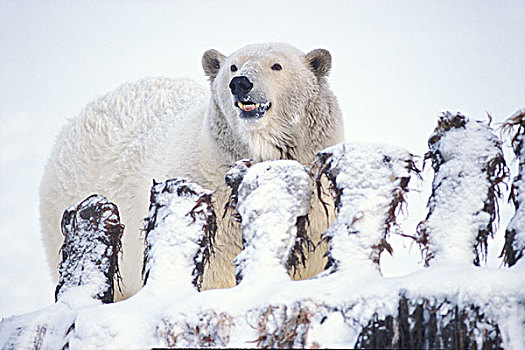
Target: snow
<point>367,177</point>
<point>175,230</point>
<point>53,322</point>
<point>516,226</point>
<point>272,196</point>
<point>461,187</point>
<point>395,67</point>
<point>334,330</point>
<point>89,252</point>
<point>330,310</point>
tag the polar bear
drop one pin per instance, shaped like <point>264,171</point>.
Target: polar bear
<point>267,101</point>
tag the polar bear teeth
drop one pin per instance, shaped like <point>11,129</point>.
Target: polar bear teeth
<point>248,107</point>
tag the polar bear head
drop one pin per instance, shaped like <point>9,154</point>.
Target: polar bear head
<point>274,97</point>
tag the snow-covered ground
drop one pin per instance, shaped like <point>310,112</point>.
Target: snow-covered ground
<point>396,66</point>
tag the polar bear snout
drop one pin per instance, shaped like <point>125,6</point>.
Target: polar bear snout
<point>251,107</point>
<point>240,86</point>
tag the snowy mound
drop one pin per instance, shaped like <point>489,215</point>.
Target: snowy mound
<point>453,303</point>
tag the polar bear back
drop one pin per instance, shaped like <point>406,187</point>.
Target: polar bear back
<point>109,149</point>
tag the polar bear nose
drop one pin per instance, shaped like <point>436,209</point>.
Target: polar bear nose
<point>240,86</point>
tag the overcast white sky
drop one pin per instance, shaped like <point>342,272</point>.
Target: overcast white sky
<point>396,66</point>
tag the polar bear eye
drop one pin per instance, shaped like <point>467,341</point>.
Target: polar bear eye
<point>277,66</point>
<point>233,68</point>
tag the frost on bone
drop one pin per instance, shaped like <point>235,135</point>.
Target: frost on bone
<point>180,231</point>
<point>92,233</point>
<point>370,182</point>
<point>515,232</point>
<point>272,200</point>
<point>468,163</point>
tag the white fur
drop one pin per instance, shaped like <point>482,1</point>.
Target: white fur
<point>162,128</point>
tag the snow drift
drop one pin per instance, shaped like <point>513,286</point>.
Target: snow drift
<point>453,303</point>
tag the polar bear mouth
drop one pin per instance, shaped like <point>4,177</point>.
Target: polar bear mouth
<point>252,110</point>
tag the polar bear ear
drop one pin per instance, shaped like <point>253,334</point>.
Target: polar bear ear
<point>211,63</point>
<point>319,61</point>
